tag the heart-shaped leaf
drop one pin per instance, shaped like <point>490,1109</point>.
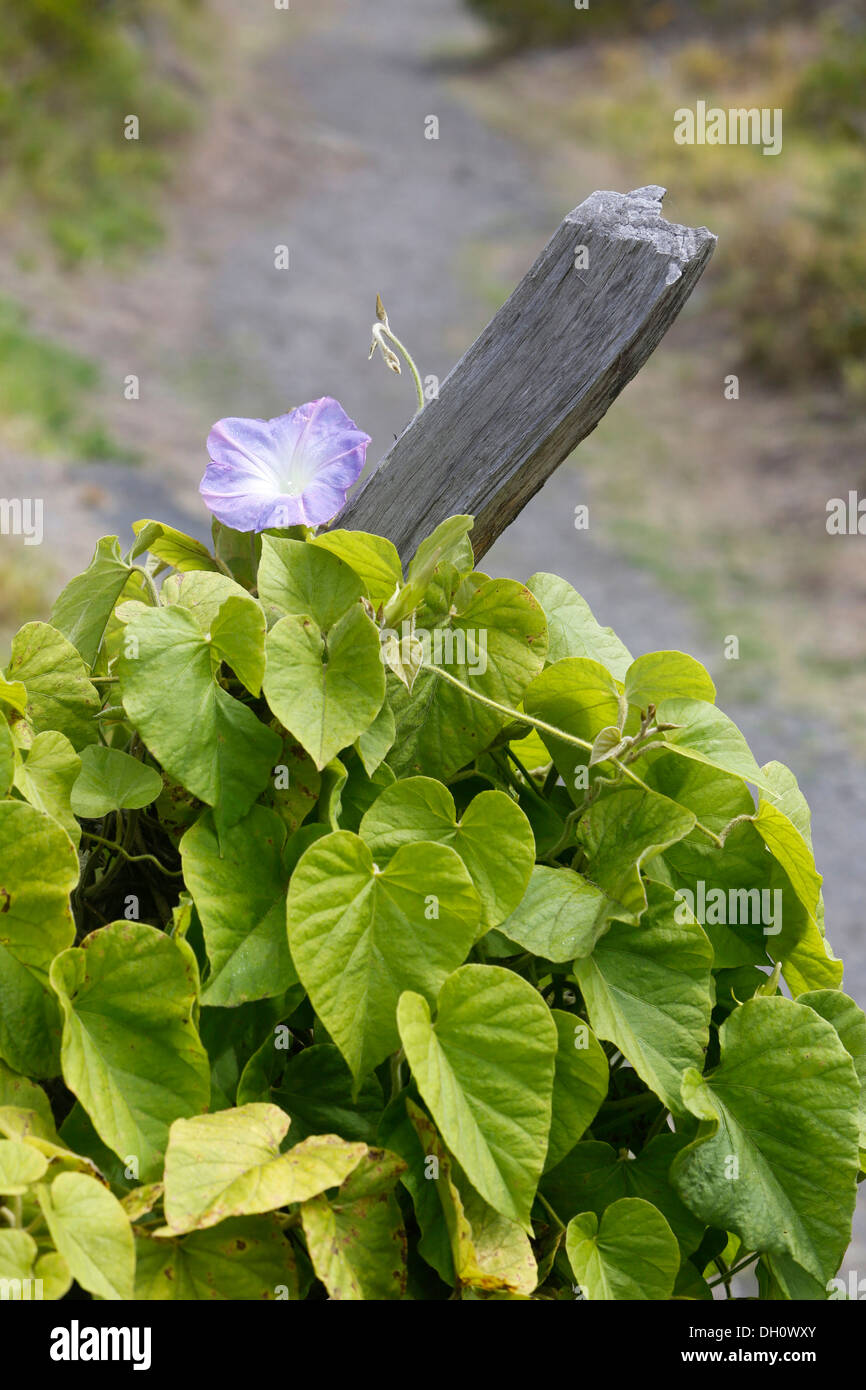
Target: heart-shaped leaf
<point>775,1158</point>
<point>648,988</point>
<point>213,745</point>
<point>90,1230</point>
<point>238,882</point>
<point>111,780</point>
<point>325,688</point>
<point>632,1253</point>
<point>59,692</point>
<point>230,1164</point>
<point>493,838</point>
<point>131,1052</point>
<point>485,1068</point>
<point>38,870</point>
<point>360,935</point>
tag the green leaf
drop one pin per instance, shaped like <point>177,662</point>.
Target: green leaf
<point>408,1131</point>
<point>450,543</point>
<point>850,1023</point>
<point>326,688</point>
<point>238,882</point>
<point>631,1254</point>
<point>485,1070</point>
<point>84,607</point>
<point>465,1240</point>
<point>573,629</point>
<point>247,1258</point>
<point>807,959</point>
<point>131,1052</point>
<point>110,780</point>
<point>295,786</point>
<point>580,1084</point>
<point>360,935</point>
<point>334,779</point>
<point>594,1175</point>
<point>17,1253</point>
<point>202,595</point>
<point>32,1127</point>
<point>560,917</point>
<point>7,758</point>
<point>20,1165</point>
<point>230,619</point>
<point>307,581</point>
<point>13,696</point>
<point>717,799</point>
<point>439,728</point>
<point>375,743</point>
<point>238,638</point>
<point>619,832</point>
<point>787,845</point>
<point>373,558</point>
<point>659,676</point>
<point>709,736</point>
<point>317,1091</point>
<point>59,693</point>
<point>787,796</point>
<point>171,547</point>
<point>24,1094</point>
<point>360,791</point>
<point>229,1164</point>
<point>356,1238</point>
<point>648,989</point>
<point>213,745</point>
<point>494,839</point>
<point>775,1157</point>
<point>580,697</point>
<point>234,1036</point>
<point>47,776</point>
<point>239,550</point>
<point>54,1272</point>
<point>90,1230</point>
<point>38,870</point>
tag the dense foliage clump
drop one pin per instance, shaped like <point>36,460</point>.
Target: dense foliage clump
<point>372,935</point>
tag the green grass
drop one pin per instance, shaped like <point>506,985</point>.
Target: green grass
<point>790,272</point>
<point>45,393</point>
<point>70,73</point>
<point>522,23</point>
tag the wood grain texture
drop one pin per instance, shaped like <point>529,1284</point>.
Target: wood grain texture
<point>542,374</point>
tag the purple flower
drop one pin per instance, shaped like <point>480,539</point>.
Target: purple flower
<point>294,470</point>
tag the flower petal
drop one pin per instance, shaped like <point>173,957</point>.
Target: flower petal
<point>294,469</point>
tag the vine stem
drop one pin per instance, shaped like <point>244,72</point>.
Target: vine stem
<point>132,858</point>
<point>734,1269</point>
<point>560,734</point>
<point>384,330</point>
<point>549,1209</point>
<point>395,1068</point>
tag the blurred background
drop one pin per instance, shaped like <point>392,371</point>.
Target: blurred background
<point>141,299</point>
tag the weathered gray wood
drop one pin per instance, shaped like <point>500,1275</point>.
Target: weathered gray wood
<point>540,376</point>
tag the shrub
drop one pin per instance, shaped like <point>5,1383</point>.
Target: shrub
<point>69,77</point>
<point>319,948</point>
<point>798,287</point>
<point>526,22</point>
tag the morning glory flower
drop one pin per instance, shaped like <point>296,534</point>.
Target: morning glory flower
<point>294,470</point>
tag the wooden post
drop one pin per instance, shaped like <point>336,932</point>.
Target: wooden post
<point>580,324</point>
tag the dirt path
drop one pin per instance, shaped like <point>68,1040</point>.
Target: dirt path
<point>322,148</point>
